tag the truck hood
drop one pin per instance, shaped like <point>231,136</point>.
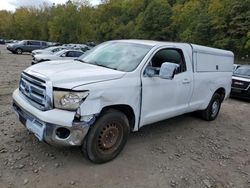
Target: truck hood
<point>69,73</point>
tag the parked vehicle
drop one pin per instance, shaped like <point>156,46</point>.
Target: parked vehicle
<point>50,44</point>
<point>83,49</point>
<point>26,46</point>
<point>118,87</point>
<point>241,82</point>
<point>49,50</point>
<point>60,55</point>
<point>2,41</point>
<point>91,44</point>
<point>235,66</point>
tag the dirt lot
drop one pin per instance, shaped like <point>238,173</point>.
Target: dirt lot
<point>181,152</point>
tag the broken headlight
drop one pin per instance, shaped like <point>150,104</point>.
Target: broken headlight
<point>69,100</point>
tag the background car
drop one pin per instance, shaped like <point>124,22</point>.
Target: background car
<point>49,50</point>
<point>54,44</point>
<point>26,46</point>
<point>61,55</point>
<point>241,82</point>
<point>83,48</point>
<point>2,41</point>
<point>235,66</point>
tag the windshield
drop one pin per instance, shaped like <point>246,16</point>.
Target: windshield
<point>120,56</point>
<point>244,71</point>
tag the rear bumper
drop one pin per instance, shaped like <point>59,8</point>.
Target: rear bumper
<point>46,125</point>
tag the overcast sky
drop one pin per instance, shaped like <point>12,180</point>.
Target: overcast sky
<point>13,4</point>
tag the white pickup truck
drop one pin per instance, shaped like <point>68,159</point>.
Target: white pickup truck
<point>118,87</point>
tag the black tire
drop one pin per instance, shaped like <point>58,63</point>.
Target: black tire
<point>19,51</point>
<point>107,137</point>
<point>213,109</point>
<point>84,148</point>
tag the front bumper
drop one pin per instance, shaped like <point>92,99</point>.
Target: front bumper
<point>10,49</point>
<point>238,93</point>
<point>46,124</point>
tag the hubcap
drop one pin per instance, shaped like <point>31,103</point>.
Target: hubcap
<point>215,108</point>
<point>109,138</point>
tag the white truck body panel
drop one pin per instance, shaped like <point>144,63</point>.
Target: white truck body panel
<point>152,99</point>
<point>212,60</point>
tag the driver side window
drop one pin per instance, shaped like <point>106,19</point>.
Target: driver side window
<point>169,55</point>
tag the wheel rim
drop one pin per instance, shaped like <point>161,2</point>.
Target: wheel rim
<point>215,108</point>
<point>110,138</point>
<point>19,51</point>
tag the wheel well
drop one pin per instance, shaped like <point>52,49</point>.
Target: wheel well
<point>127,110</point>
<point>222,92</point>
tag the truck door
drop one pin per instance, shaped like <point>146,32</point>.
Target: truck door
<point>163,98</point>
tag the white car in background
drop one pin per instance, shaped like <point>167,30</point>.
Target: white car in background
<point>61,55</point>
<point>82,47</point>
<point>49,50</point>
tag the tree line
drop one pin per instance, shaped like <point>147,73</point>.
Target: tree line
<point>217,23</point>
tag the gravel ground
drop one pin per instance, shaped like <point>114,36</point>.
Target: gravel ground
<point>181,152</point>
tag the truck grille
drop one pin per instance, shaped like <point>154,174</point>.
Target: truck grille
<point>34,90</point>
<point>240,84</point>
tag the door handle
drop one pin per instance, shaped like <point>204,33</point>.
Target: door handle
<point>185,81</point>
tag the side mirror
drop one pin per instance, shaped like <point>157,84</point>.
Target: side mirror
<point>168,70</point>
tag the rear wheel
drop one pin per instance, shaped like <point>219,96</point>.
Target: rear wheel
<point>19,51</point>
<point>213,108</point>
<point>107,137</point>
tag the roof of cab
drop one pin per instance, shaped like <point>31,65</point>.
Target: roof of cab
<point>196,48</point>
<point>146,42</point>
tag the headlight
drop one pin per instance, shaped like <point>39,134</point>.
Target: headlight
<point>69,100</point>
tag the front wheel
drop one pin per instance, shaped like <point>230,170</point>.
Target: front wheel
<point>213,108</point>
<point>107,137</point>
<point>19,51</point>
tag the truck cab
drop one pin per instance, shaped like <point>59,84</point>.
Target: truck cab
<point>118,87</point>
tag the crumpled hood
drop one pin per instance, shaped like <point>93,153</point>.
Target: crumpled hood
<point>69,73</point>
